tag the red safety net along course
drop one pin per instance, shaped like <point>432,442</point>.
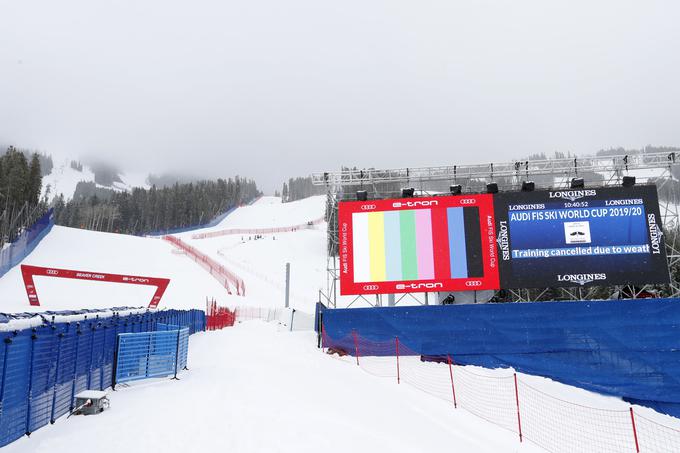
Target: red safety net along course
<point>509,401</point>
<point>217,317</point>
<point>218,271</point>
<point>271,230</point>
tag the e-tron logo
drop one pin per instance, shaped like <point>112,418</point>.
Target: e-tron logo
<point>468,201</point>
<point>572,195</point>
<point>367,207</point>
<point>581,279</point>
<point>414,204</point>
<point>416,286</point>
<point>473,283</point>
<point>370,287</point>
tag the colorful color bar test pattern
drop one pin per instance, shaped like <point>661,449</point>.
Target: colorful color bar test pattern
<point>417,244</point>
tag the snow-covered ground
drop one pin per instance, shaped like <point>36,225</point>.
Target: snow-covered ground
<point>70,248</point>
<point>63,179</point>
<point>253,389</point>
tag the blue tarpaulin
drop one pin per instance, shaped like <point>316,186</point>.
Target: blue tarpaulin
<point>629,349</point>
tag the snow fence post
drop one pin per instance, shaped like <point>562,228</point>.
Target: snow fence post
<point>396,340</point>
<point>453,388</point>
<point>114,369</point>
<point>60,337</point>
<point>356,346</point>
<point>34,337</point>
<point>632,419</point>
<point>177,356</point>
<point>519,420</point>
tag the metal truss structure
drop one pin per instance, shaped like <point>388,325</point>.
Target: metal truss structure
<point>660,168</point>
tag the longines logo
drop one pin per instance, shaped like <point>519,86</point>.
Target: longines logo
<point>572,195</point>
<point>503,241</point>
<point>414,286</point>
<point>581,279</point>
<point>655,234</point>
<point>414,204</point>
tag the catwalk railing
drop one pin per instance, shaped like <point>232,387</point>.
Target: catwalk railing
<point>218,271</point>
<point>508,400</point>
<point>285,229</point>
<point>43,367</point>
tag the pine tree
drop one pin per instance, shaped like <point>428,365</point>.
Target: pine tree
<point>34,183</point>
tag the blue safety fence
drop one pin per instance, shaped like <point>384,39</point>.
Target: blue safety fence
<point>44,367</point>
<point>27,241</point>
<point>629,349</point>
<point>146,355</point>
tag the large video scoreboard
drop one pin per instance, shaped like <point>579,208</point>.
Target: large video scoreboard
<point>605,236</point>
<point>563,238</point>
<point>417,245</point>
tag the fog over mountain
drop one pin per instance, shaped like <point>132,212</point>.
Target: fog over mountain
<point>269,90</point>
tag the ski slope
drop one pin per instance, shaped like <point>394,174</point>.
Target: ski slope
<point>63,180</point>
<point>253,389</point>
<point>261,262</point>
<point>70,248</point>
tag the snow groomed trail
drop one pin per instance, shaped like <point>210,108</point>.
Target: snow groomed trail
<point>251,388</point>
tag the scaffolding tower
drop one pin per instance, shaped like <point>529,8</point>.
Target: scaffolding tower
<point>659,168</point>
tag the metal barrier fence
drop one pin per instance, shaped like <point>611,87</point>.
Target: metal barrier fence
<point>151,354</point>
<point>511,402</point>
<point>44,367</point>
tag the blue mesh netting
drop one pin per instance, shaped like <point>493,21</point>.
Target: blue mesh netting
<point>26,242</point>
<point>42,368</point>
<point>627,348</point>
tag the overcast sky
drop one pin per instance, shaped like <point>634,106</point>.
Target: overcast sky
<point>277,88</point>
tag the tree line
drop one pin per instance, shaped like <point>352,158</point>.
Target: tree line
<point>20,185</point>
<point>144,211</point>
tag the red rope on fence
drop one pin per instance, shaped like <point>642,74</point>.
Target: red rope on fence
<point>453,387</point>
<point>396,340</point>
<point>519,419</point>
<point>632,419</point>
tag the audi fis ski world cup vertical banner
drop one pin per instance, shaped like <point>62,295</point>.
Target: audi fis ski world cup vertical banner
<point>417,245</point>
<point>561,238</point>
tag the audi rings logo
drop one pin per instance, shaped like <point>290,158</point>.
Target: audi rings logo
<point>52,272</point>
<point>370,287</point>
<point>367,207</point>
<point>468,201</point>
<point>473,283</point>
